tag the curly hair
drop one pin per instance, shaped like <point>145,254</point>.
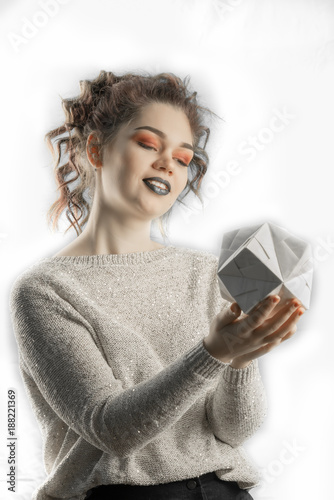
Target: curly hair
<point>103,106</point>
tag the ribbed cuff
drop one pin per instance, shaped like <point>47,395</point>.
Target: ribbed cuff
<point>242,375</point>
<point>200,360</point>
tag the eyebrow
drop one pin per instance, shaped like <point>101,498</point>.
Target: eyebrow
<point>163,135</point>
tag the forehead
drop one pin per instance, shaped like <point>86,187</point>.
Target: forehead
<point>169,119</point>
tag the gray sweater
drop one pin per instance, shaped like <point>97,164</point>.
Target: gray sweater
<point>112,358</point>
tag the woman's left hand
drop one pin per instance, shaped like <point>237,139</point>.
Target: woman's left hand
<point>290,326</point>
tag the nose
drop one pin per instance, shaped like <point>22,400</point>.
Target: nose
<point>165,164</point>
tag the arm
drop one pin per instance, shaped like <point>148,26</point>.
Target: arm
<point>237,406</point>
<point>58,349</point>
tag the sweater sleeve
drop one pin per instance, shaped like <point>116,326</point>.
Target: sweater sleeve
<point>58,349</point>
<point>237,406</point>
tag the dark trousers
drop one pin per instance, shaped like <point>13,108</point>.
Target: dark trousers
<point>205,487</point>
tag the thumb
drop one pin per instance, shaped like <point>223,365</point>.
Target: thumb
<point>228,314</point>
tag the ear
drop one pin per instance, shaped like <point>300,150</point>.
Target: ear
<point>92,151</point>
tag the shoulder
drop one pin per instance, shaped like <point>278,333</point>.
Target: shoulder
<point>37,279</point>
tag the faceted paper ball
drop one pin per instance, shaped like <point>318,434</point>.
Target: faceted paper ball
<point>263,260</point>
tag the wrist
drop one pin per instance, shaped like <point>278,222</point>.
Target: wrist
<point>215,353</point>
<point>239,364</point>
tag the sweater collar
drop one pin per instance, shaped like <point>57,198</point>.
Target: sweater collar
<point>117,259</point>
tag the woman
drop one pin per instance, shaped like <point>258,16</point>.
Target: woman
<point>125,344</point>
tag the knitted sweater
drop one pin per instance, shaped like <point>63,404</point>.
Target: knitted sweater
<point>112,358</point>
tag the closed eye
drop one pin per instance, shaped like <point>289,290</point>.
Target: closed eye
<point>146,146</point>
<point>182,163</point>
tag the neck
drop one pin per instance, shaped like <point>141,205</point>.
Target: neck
<point>115,235</point>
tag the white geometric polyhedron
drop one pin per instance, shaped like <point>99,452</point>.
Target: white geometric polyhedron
<point>263,260</point>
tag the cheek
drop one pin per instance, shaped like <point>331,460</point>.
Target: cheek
<point>184,181</point>
<point>118,173</point>
<point>128,166</point>
<point>135,159</point>
<point>181,184</point>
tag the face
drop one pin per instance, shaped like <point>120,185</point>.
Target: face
<point>157,144</point>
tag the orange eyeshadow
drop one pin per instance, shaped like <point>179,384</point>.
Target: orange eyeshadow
<point>150,141</point>
<point>184,157</point>
<point>146,139</point>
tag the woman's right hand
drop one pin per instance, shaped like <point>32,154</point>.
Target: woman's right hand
<point>254,334</point>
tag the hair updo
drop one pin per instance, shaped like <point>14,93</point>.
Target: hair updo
<point>103,106</point>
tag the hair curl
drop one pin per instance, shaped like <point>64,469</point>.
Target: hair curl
<point>103,106</point>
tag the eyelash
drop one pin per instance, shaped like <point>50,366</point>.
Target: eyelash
<point>145,146</point>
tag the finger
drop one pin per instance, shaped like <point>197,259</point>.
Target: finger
<point>273,323</point>
<point>289,334</point>
<point>256,307</point>
<point>286,327</point>
<point>257,353</point>
<point>256,318</point>
<point>235,308</point>
<point>267,347</point>
<point>227,315</point>
<point>281,305</point>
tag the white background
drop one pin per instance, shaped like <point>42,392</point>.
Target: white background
<point>249,61</point>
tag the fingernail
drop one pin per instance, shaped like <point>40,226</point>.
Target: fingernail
<point>301,311</point>
<point>274,298</point>
<point>292,302</point>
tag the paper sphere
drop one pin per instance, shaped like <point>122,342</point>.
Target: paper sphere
<point>263,260</point>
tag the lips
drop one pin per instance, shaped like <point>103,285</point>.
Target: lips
<point>158,179</point>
